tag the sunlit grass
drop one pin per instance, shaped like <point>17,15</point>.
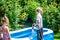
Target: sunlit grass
<point>57,36</point>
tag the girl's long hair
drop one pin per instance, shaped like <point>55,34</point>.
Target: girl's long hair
<point>5,20</point>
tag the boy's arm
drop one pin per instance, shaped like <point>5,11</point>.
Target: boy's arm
<point>37,22</point>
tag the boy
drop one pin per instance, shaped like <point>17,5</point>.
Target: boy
<point>39,24</point>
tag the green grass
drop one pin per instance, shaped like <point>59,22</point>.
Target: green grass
<point>57,36</point>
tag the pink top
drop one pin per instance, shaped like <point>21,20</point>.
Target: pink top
<point>5,32</point>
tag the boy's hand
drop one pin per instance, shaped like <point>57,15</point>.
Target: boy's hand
<point>33,25</point>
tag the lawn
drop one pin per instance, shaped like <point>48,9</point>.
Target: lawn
<point>57,36</point>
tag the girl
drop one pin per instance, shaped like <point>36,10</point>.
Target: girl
<point>5,30</point>
<point>0,34</point>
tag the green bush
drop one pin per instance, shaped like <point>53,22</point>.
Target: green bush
<point>14,8</point>
<point>32,5</point>
<point>51,16</point>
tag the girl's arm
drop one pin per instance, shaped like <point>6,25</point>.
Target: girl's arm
<point>0,32</point>
<point>1,35</point>
<point>7,31</point>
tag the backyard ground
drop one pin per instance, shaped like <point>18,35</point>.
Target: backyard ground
<point>57,36</point>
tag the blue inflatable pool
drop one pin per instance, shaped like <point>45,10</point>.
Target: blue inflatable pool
<point>26,34</point>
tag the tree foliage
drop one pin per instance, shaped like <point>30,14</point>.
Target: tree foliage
<point>14,8</point>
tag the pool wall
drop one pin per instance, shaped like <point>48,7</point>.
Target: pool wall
<point>27,32</point>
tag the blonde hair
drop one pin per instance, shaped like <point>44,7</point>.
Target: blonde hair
<point>5,20</point>
<point>39,9</point>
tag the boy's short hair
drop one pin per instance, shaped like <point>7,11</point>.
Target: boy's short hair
<point>39,9</point>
